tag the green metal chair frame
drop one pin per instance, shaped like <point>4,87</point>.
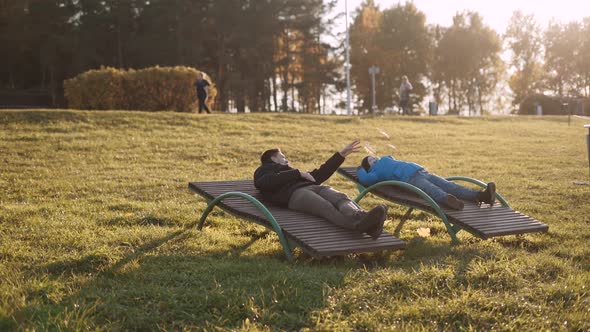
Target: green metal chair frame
<point>451,229</point>
<point>287,245</point>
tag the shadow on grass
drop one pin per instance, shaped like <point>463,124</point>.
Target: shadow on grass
<point>144,219</point>
<point>224,289</point>
<point>521,242</point>
<point>147,291</point>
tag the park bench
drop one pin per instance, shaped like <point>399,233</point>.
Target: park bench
<point>314,235</point>
<point>483,221</point>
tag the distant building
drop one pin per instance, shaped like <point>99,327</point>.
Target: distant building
<point>539,104</point>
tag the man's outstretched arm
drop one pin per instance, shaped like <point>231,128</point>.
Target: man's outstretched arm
<point>331,165</point>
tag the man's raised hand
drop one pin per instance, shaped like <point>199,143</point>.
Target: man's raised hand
<point>350,148</point>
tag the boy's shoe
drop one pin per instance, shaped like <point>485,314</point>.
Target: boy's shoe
<point>491,193</point>
<point>454,202</point>
<point>488,196</point>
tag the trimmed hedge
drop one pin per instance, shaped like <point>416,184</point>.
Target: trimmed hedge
<point>149,89</point>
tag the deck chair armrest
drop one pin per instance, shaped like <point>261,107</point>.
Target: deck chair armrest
<point>403,185</point>
<point>478,183</point>
<point>271,219</point>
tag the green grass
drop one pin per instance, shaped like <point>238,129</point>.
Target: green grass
<point>95,232</point>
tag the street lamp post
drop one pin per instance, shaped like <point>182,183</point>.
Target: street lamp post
<point>348,108</point>
<point>588,145</point>
<point>373,70</point>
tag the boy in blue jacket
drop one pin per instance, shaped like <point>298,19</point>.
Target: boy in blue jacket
<point>387,168</point>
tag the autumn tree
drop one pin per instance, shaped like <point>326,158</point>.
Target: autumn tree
<point>235,42</point>
<point>560,43</point>
<point>523,41</point>
<point>469,62</point>
<point>583,60</point>
<point>406,48</point>
<point>37,43</point>
<point>437,72</point>
<point>364,49</point>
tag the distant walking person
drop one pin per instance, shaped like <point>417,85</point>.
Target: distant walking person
<point>404,95</point>
<point>202,91</point>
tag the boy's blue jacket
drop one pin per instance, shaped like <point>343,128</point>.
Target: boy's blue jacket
<point>388,169</point>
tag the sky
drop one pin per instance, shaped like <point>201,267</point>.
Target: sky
<point>496,13</point>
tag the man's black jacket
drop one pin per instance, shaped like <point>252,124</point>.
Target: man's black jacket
<point>277,182</point>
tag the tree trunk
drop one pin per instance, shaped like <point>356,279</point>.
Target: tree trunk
<point>480,100</point>
<point>52,85</point>
<point>319,99</point>
<point>469,102</point>
<point>285,86</point>
<point>286,65</point>
<point>119,42</point>
<point>454,85</point>
<point>254,100</point>
<point>292,83</point>
<point>267,99</point>
<point>43,79</point>
<point>274,92</point>
<point>240,102</point>
<point>179,39</point>
<point>221,80</point>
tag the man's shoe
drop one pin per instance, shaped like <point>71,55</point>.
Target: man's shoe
<point>454,202</point>
<point>359,215</point>
<point>371,219</point>
<point>376,230</point>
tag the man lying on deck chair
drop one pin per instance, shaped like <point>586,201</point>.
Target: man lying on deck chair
<point>289,187</point>
<point>387,168</point>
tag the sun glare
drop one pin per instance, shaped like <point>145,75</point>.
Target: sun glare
<point>496,13</point>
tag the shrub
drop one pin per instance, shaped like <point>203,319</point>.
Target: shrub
<point>149,89</point>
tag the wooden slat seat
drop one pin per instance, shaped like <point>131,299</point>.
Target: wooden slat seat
<point>315,235</point>
<point>480,220</point>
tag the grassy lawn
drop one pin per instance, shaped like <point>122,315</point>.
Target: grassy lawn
<point>95,226</point>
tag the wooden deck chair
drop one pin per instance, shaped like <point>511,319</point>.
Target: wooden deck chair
<point>314,235</point>
<point>482,221</point>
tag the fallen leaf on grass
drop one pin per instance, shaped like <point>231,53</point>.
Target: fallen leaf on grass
<point>423,232</point>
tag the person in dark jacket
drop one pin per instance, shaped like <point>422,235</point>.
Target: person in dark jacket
<point>202,86</point>
<point>404,95</point>
<point>289,187</point>
<point>387,168</point>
